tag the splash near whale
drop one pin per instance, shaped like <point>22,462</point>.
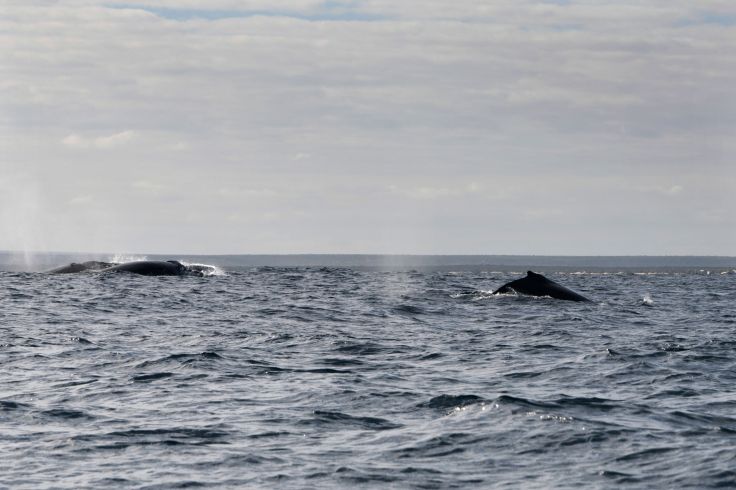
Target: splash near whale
<point>537,285</point>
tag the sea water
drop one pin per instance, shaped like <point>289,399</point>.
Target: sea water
<point>369,376</point>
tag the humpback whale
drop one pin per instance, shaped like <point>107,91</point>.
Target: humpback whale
<point>143,267</point>
<point>92,265</point>
<point>154,268</point>
<point>537,285</point>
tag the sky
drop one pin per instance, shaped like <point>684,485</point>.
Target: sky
<point>568,127</point>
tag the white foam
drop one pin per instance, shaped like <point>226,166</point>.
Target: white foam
<point>474,295</point>
<point>206,269</point>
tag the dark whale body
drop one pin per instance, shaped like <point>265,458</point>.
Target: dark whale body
<point>537,285</point>
<point>153,268</point>
<point>143,267</point>
<point>74,267</point>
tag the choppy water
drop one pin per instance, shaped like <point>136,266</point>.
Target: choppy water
<point>331,378</point>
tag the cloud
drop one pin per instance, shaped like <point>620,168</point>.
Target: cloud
<point>674,190</point>
<point>509,12</point>
<point>81,200</point>
<point>101,142</point>
<point>254,193</point>
<point>663,190</point>
<point>431,193</point>
<point>151,188</point>
<point>322,106</point>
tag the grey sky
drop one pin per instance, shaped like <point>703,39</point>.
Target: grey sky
<point>376,126</point>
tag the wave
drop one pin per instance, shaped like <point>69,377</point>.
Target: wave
<point>452,402</point>
<point>337,420</point>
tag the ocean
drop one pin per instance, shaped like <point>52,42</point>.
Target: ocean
<point>369,372</point>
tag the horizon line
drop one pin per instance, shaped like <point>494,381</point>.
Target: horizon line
<point>363,254</point>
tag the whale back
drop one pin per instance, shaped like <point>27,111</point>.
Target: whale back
<point>537,285</point>
<point>150,268</point>
<point>92,265</point>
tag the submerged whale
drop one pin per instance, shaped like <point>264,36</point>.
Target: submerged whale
<point>537,285</point>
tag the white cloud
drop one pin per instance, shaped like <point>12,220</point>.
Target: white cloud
<point>674,190</point>
<point>222,5</point>
<point>247,193</point>
<point>100,142</point>
<point>430,192</point>
<point>150,187</point>
<point>75,141</point>
<point>663,190</point>
<point>114,140</point>
<point>81,200</point>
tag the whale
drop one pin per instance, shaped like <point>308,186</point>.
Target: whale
<point>154,268</point>
<point>142,267</point>
<point>537,285</point>
<point>74,267</point>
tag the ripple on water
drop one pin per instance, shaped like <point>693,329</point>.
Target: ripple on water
<point>448,402</point>
<point>174,436</point>
<point>339,421</point>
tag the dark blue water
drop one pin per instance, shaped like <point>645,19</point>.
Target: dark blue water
<point>334,377</point>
